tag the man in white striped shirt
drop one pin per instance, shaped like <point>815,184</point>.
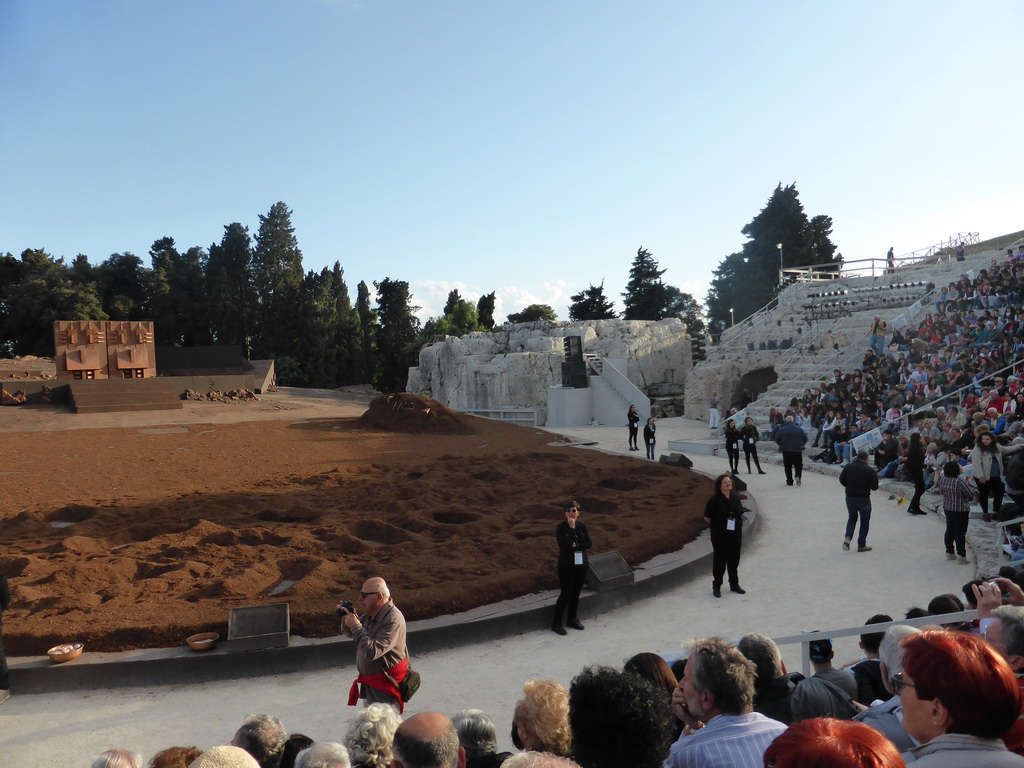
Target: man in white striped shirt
<point>715,700</point>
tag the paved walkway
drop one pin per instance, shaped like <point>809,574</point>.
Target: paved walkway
<point>796,575</point>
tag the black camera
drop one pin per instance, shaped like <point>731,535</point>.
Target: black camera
<point>347,605</point>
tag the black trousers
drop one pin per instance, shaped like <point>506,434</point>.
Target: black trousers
<point>792,463</point>
<point>734,458</point>
<point>634,429</point>
<point>918,479</point>
<point>994,488</point>
<point>570,579</point>
<point>726,557</point>
<point>750,451</point>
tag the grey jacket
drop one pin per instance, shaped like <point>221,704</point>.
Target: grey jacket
<point>958,750</point>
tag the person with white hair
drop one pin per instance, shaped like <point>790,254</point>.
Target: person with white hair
<point>887,716</point>
<point>371,734</point>
<point>381,654</point>
<point>323,754</point>
<point>118,758</point>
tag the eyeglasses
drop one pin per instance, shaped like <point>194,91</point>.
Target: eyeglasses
<point>899,683</point>
<point>365,595</point>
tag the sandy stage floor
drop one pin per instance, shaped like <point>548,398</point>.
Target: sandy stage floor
<point>139,536</point>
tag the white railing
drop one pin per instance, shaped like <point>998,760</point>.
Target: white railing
<point>512,415</point>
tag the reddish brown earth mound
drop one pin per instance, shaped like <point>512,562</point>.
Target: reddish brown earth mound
<point>137,538</point>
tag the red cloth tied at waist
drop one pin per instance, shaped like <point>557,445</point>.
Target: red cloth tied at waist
<point>381,682</point>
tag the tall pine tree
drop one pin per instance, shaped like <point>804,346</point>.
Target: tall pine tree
<point>747,280</point>
<point>645,297</point>
<point>591,304</point>
<point>278,284</point>
<point>230,288</point>
<point>397,332</point>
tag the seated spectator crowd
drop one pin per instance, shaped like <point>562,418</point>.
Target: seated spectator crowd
<point>937,695</point>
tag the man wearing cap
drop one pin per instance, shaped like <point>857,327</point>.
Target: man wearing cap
<point>829,692</point>
<point>381,655</point>
<point>859,479</point>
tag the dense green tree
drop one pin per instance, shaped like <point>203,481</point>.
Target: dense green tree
<point>177,295</point>
<point>485,310</point>
<point>747,280</point>
<point>397,332</point>
<point>687,309</point>
<point>533,313</point>
<point>42,294</point>
<point>277,279</point>
<point>453,299</point>
<point>349,362</point>
<point>230,288</point>
<point>315,352</point>
<point>123,284</point>
<point>459,320</point>
<point>645,297</point>
<point>368,327</point>
<point>591,304</point>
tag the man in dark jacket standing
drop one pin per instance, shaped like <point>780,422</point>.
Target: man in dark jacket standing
<point>792,439</point>
<point>860,480</point>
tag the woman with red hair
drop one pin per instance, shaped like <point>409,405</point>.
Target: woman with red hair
<point>825,742</point>
<point>959,696</point>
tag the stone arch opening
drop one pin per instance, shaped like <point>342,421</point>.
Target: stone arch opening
<point>757,381</point>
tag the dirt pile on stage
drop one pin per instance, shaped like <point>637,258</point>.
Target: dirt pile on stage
<point>130,538</point>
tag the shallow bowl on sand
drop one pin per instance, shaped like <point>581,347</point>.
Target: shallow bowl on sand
<point>66,652</point>
<point>204,641</point>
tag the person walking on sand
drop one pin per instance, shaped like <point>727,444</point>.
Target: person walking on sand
<point>859,480</point>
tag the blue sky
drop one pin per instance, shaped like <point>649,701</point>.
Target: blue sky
<point>528,148</point>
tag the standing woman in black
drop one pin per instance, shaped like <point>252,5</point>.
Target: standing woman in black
<point>732,445</point>
<point>749,436</point>
<point>914,465</point>
<point>649,430</point>
<point>724,516</point>
<point>573,543</point>
<point>633,419</point>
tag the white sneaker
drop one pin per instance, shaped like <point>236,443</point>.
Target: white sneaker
<point>963,561</point>
<point>798,481</point>
<point>950,556</point>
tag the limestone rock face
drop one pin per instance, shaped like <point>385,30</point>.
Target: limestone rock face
<point>514,365</point>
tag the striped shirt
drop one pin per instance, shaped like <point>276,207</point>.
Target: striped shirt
<point>727,741</point>
<point>956,493</point>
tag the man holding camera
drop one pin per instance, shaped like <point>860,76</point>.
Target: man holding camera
<point>379,634</point>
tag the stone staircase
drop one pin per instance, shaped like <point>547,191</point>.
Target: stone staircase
<point>112,395</point>
<point>814,347</point>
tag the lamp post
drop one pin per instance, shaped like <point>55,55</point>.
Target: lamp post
<point>732,320</point>
<point>781,268</point>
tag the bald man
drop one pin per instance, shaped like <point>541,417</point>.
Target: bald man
<point>381,655</point>
<point>427,740</point>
